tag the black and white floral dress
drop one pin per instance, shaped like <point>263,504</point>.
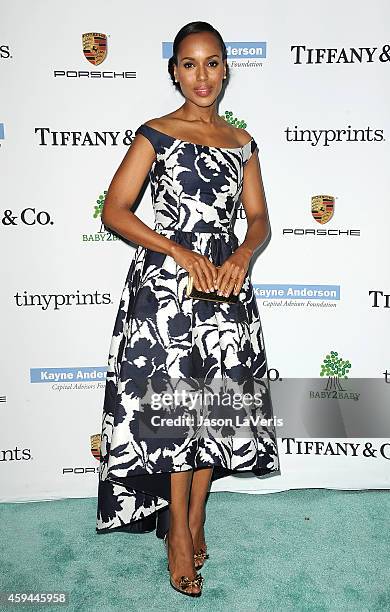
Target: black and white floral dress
<point>162,337</point>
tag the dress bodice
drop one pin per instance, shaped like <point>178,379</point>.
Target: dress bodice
<point>195,188</point>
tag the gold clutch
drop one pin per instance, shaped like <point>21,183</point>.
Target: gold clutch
<point>213,296</point>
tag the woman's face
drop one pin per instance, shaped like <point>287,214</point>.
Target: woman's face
<point>200,70</point>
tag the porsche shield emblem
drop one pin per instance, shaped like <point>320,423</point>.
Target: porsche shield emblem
<point>95,445</point>
<point>322,207</point>
<point>95,47</point>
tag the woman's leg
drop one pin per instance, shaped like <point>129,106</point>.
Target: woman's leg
<point>196,515</point>
<point>180,546</point>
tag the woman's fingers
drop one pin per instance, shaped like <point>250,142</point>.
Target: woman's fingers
<point>203,272</point>
<point>239,283</point>
<point>213,274</point>
<point>199,276</point>
<point>231,279</point>
<point>227,278</point>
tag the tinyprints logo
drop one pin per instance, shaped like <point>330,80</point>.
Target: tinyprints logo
<point>239,54</point>
<point>298,296</point>
<point>15,454</point>
<point>327,137</point>
<point>67,379</point>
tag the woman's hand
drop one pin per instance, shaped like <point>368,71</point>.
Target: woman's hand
<point>199,266</point>
<point>232,273</point>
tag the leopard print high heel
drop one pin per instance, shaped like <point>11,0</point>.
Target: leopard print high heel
<point>185,582</point>
<point>200,557</point>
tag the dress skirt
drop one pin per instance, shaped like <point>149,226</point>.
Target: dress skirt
<point>162,337</point>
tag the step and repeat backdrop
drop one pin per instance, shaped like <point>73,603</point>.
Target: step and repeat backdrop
<point>310,83</point>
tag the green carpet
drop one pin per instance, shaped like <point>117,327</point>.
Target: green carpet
<point>311,549</point>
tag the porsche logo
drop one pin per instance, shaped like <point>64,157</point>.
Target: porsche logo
<point>95,445</point>
<point>322,207</point>
<point>95,47</point>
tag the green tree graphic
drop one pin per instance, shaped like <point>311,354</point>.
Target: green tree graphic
<point>334,367</point>
<point>233,120</point>
<point>99,207</point>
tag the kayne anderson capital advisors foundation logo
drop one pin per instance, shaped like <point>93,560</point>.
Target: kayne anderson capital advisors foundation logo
<point>239,54</point>
<point>298,296</point>
<point>322,211</point>
<point>70,379</point>
<point>94,49</point>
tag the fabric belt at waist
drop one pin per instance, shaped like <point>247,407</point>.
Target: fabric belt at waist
<point>206,231</point>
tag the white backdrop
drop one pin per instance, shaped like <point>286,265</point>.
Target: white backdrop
<point>321,121</point>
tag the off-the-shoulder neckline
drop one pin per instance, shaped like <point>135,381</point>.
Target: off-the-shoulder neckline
<point>196,144</point>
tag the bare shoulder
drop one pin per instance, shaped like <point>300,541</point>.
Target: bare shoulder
<point>243,136</point>
<point>159,122</point>
<point>153,123</point>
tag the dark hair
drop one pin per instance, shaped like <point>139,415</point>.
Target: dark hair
<point>195,27</point>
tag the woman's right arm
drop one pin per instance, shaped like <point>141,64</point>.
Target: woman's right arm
<point>121,195</point>
<point>123,192</point>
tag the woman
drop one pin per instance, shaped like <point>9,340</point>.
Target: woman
<point>162,336</point>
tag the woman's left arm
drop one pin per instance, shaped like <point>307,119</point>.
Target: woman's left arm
<point>232,273</point>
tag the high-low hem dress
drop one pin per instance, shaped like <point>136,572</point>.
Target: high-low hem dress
<point>162,335</point>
